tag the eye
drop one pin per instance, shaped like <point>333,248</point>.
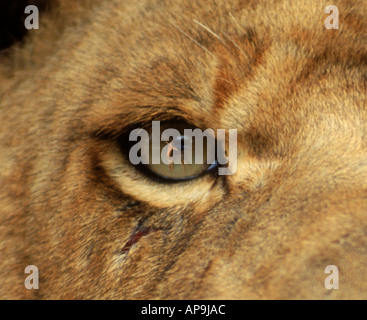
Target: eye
<point>181,164</point>
<point>186,155</point>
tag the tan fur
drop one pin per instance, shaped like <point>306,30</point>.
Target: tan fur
<point>296,92</point>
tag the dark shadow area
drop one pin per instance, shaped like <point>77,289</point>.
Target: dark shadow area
<point>12,18</point>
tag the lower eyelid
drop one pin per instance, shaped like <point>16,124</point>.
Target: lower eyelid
<point>153,190</point>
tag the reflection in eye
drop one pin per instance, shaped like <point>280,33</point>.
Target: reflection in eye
<point>181,164</point>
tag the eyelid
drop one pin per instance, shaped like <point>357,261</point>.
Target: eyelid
<point>113,128</point>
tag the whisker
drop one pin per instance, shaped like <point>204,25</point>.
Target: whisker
<point>191,38</point>
<point>209,30</point>
<point>235,21</point>
<point>237,46</point>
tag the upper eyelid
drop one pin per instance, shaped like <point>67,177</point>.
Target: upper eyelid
<point>115,130</point>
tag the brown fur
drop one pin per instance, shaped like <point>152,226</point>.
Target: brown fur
<point>70,203</point>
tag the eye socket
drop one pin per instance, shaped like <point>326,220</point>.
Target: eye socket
<point>183,157</point>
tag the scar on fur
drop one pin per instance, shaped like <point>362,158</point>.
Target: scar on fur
<point>136,236</point>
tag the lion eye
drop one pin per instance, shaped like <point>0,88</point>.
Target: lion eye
<point>181,164</point>
<point>184,155</point>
